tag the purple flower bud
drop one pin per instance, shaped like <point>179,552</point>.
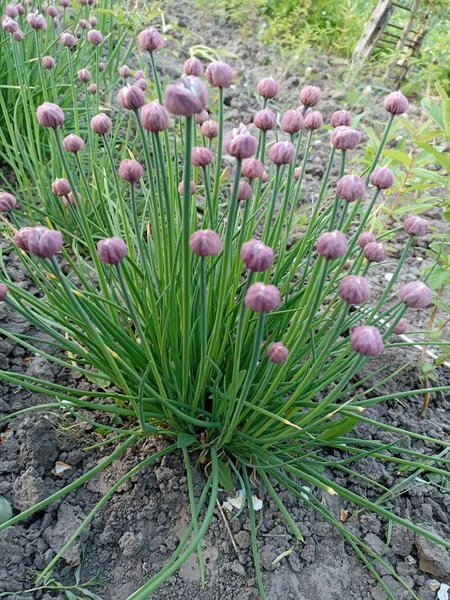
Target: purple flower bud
<point>71,199</point>
<point>313,120</point>
<point>262,298</point>
<point>219,74</point>
<point>61,187</point>
<point>341,118</point>
<point>142,84</point>
<point>92,88</point>
<point>44,242</point>
<point>192,188</point>
<point>94,37</point>
<point>111,251</point>
<point>268,88</point>
<point>193,67</point>
<point>73,143</point>
<point>21,238</point>
<point>382,178</point>
<point>131,97</point>
<point>64,3</point>
<point>154,117</point>
<point>256,256</point>
<point>201,156</point>
<point>68,40</point>
<point>139,75</point>
<point>150,40</point>
<point>375,252</point>
<point>11,11</point>
<point>7,202</point>
<point>244,191</point>
<point>347,265</point>
<point>101,124</point>
<point>210,129</point>
<point>415,225</point>
<point>277,353</point>
<point>331,244</point>
<point>297,172</point>
<point>186,97</point>
<point>93,22</point>
<point>49,115</point>
<point>130,170</point>
<point>350,188</point>
<point>240,143</point>
<point>3,292</point>
<point>415,295</point>
<point>265,119</point>
<point>37,22</point>
<point>20,9</point>
<point>205,242</point>
<point>282,153</point>
<point>18,35</point>
<point>367,237</point>
<point>354,289</point>
<point>367,341</point>
<point>202,117</point>
<point>9,25</point>
<point>345,138</point>
<point>396,103</point>
<point>310,95</point>
<point>291,122</point>
<point>84,24</point>
<point>84,75</point>
<point>101,66</point>
<point>52,11</point>
<point>401,327</point>
<point>124,71</point>
<point>265,177</point>
<point>252,168</point>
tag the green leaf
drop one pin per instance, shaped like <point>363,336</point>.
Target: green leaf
<point>412,209</point>
<point>438,278</point>
<point>427,367</point>
<point>184,440</point>
<point>429,135</point>
<point>342,427</point>
<point>441,157</point>
<point>5,510</point>
<point>433,111</point>
<point>398,156</point>
<point>225,479</point>
<point>430,176</point>
<point>446,117</point>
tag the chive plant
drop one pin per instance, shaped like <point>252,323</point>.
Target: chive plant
<point>180,292</point>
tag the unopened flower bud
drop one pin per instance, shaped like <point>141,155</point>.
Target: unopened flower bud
<point>18,35</point>
<point>256,256</point>
<point>354,289</point>
<point>61,187</point>
<point>49,115</point>
<point>101,66</point>
<point>52,11</point>
<point>202,117</point>
<point>20,9</point>
<point>3,292</point>
<point>94,37</point>
<point>93,22</point>
<point>310,95</point>
<point>9,25</point>
<point>268,88</point>
<point>415,295</point>
<point>71,199</point>
<point>142,84</point>
<point>252,168</point>
<point>347,265</point>
<point>244,190</point>
<point>193,67</point>
<point>367,341</point>
<point>11,11</point>
<point>124,71</point>
<point>210,129</point>
<point>130,170</point>
<point>350,188</point>
<point>205,242</point>
<point>92,88</point>
<point>415,225</point>
<point>7,202</point>
<point>396,103</point>
<point>44,242</point>
<point>382,178</point>
<point>277,353</point>
<point>101,124</point>
<point>265,177</point>
<point>84,75</point>
<point>139,75</point>
<point>68,40</point>
<point>192,188</point>
<point>345,138</point>
<point>297,172</point>
<point>131,97</point>
<point>282,153</point>
<point>37,22</point>
<point>48,62</point>
<point>186,97</point>
<point>341,118</point>
<point>84,24</point>
<point>65,3</point>
<point>331,244</point>
<point>21,238</point>
<point>401,327</point>
<point>265,119</point>
<point>291,122</point>
<point>313,120</point>
<point>219,74</point>
<point>262,298</point>
<point>366,237</point>
<point>73,143</point>
<point>154,117</point>
<point>375,252</point>
<point>240,143</point>
<point>201,156</point>
<point>111,251</point>
<point>150,40</point>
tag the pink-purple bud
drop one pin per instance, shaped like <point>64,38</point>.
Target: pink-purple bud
<point>202,117</point>
<point>313,120</point>
<point>382,178</point>
<point>252,168</point>
<point>205,242</point>
<point>3,292</point>
<point>354,289</point>
<point>201,156</point>
<point>345,138</point>
<point>401,327</point>
<point>396,103</point>
<point>297,172</point>
<point>92,88</point>
<point>291,122</point>
<point>84,75</point>
<point>111,251</point>
<point>71,199</point>
<point>37,22</point>
<point>154,117</point>
<point>68,40</point>
<point>101,66</point>
<point>310,95</point>
<point>73,143</point>
<point>219,74</point>
<point>265,177</point>
<point>375,252</point>
<point>240,143</point>
<point>210,129</point>
<point>20,9</point>
<point>268,88</point>
<point>331,244</point>
<point>244,191</point>
<point>18,35</point>
<point>9,25</point>
<point>61,187</point>
<point>262,298</point>
<point>142,84</point>
<point>139,75</point>
<point>130,170</point>
<point>277,353</point>
<point>84,24</point>
<point>192,188</point>
<point>101,124</point>
<point>193,67</point>
<point>124,71</point>
<point>93,22</point>
<point>150,40</point>
<point>65,3</point>
<point>265,119</point>
<point>43,242</point>
<point>341,118</point>
<point>350,188</point>
<point>415,295</point>
<point>186,97</point>
<point>366,237</point>
<point>49,115</point>
<point>282,153</point>
<point>367,341</point>
<point>21,238</point>
<point>94,37</point>
<point>7,202</point>
<point>11,11</point>
<point>256,256</point>
<point>52,11</point>
<point>415,225</point>
<point>131,97</point>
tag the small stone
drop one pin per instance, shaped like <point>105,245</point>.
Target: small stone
<point>375,543</point>
<point>238,569</point>
<point>294,562</point>
<point>433,559</point>
<point>402,540</point>
<point>433,584</point>
<point>243,539</point>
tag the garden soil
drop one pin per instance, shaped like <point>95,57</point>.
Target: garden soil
<point>133,536</point>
